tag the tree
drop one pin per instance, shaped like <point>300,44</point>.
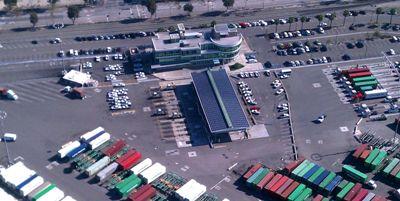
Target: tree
<point>188,8</point>
<point>10,3</point>
<point>346,13</point>
<point>73,13</point>
<point>331,18</point>
<point>52,2</point>
<point>378,12</point>
<point>320,18</point>
<point>228,3</point>
<point>355,14</point>
<point>151,6</point>
<point>290,21</point>
<point>302,20</point>
<point>52,6</point>
<point>392,12</point>
<point>213,23</point>
<point>33,18</point>
<point>276,22</point>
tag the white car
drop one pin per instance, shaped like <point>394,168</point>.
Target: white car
<point>321,30</point>
<point>252,61</point>
<point>282,105</point>
<point>9,137</point>
<point>372,184</point>
<point>284,116</point>
<point>276,82</point>
<point>76,53</point>
<point>108,49</point>
<point>279,91</point>
<point>107,58</point>
<point>277,85</point>
<point>391,52</point>
<point>97,59</point>
<point>321,118</point>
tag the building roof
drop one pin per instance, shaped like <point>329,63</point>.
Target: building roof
<point>219,102</point>
<point>77,77</point>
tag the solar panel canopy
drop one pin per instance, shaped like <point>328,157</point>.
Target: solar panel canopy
<point>219,102</point>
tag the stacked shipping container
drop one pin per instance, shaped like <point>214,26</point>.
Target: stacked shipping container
<point>371,159</point>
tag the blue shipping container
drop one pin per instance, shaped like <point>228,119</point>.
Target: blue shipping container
<point>333,184</point>
<point>77,151</point>
<point>254,176</point>
<point>26,181</point>
<point>95,136</point>
<point>311,172</point>
<point>321,177</point>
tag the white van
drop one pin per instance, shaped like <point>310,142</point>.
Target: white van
<point>10,137</point>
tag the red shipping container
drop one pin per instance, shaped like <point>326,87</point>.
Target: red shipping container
<point>279,184</point>
<point>395,170</point>
<point>291,166</point>
<point>252,171</point>
<point>357,153</point>
<point>284,186</point>
<point>361,195</point>
<point>378,198</point>
<point>318,198</point>
<point>353,192</point>
<point>273,181</point>
<point>365,154</point>
<point>143,195</point>
<point>132,160</point>
<point>125,156</point>
<point>290,189</point>
<point>115,148</point>
<point>355,70</point>
<point>264,181</point>
<point>360,74</point>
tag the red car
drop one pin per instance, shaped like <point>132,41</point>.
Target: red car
<point>244,24</point>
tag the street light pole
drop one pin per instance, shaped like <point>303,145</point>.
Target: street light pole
<point>3,116</point>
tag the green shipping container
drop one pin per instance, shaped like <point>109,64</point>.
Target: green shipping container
<point>306,169</point>
<point>364,79</point>
<point>354,173</point>
<point>345,190</point>
<point>357,85</point>
<point>126,181</point>
<point>372,156</point>
<point>43,192</point>
<point>254,176</point>
<point>366,88</point>
<point>341,185</point>
<point>124,191</point>
<point>316,174</point>
<point>304,195</point>
<point>390,166</point>
<point>325,199</point>
<point>296,192</point>
<point>327,180</point>
<point>378,160</point>
<point>299,168</point>
<point>398,176</point>
<point>261,176</point>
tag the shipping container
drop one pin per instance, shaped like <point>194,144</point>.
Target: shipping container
<point>190,191</point>
<point>115,148</point>
<point>91,133</point>
<point>78,150</point>
<point>305,170</point>
<point>311,172</point>
<point>361,195</point>
<point>107,171</point>
<point>369,197</point>
<point>131,161</point>
<point>125,181</point>
<point>304,195</point>
<point>137,169</point>
<point>125,156</point>
<point>363,79</point>
<point>374,153</point>
<point>390,166</point>
<point>264,181</point>
<point>354,174</point>
<point>284,187</point>
<point>398,176</point>
<point>65,149</point>
<point>5,196</point>
<point>297,192</point>
<point>378,160</point>
<point>260,176</point>
<point>19,186</point>
<point>299,168</point>
<point>357,85</point>
<point>28,188</point>
<point>136,193</point>
<point>95,137</point>
<point>251,171</point>
<point>331,186</point>
<point>126,189</point>
<point>54,194</point>
<point>321,177</point>
<point>153,172</point>
<point>279,183</point>
<point>68,198</point>
<point>376,93</point>
<point>357,153</point>
<point>345,190</point>
<point>395,170</point>
<point>355,70</point>
<point>38,189</point>
<point>353,192</point>
<point>365,154</point>
<point>341,185</point>
<point>99,140</point>
<point>290,189</point>
<point>327,180</point>
<point>319,197</point>
<point>291,166</point>
<point>364,89</point>
<point>16,174</point>
<point>144,193</point>
<point>273,181</point>
<point>97,166</point>
<point>378,198</point>
<point>43,192</point>
<point>316,175</point>
<point>254,176</point>
<point>352,76</point>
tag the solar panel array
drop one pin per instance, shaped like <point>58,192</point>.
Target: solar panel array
<point>210,105</point>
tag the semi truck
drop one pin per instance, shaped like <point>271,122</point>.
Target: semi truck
<point>68,147</point>
<point>139,168</point>
<point>153,172</point>
<point>107,171</point>
<point>97,166</point>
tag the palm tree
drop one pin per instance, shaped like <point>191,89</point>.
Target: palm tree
<point>346,13</point>
<point>331,18</point>
<point>302,20</point>
<point>290,21</point>
<point>320,18</point>
<point>378,12</point>
<point>355,14</point>
<point>392,12</point>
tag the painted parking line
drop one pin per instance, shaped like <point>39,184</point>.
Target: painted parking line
<point>192,154</point>
<point>344,129</point>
